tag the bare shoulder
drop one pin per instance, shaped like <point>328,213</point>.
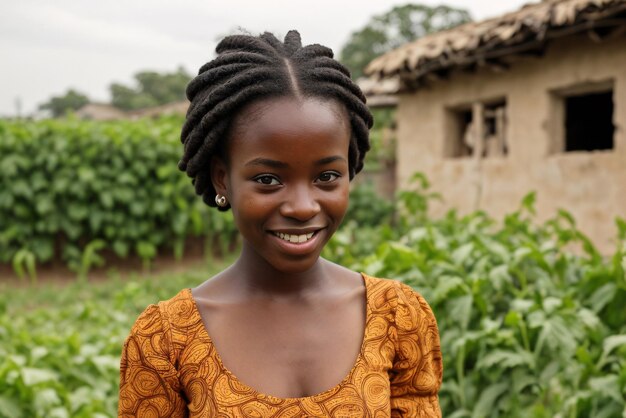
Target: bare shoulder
<point>215,289</point>
<point>345,280</point>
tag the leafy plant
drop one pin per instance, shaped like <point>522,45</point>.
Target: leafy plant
<point>90,258</point>
<point>68,184</point>
<point>367,208</point>
<point>24,262</point>
<point>60,347</point>
<point>527,327</point>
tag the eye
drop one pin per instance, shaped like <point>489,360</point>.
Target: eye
<point>328,176</point>
<point>267,179</point>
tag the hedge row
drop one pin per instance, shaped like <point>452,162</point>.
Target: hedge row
<point>70,188</point>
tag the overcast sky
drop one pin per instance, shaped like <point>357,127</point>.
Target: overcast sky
<point>49,46</point>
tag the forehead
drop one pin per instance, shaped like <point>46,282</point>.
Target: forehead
<point>294,123</point>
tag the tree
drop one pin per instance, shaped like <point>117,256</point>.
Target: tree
<point>400,25</point>
<point>152,89</point>
<point>59,105</point>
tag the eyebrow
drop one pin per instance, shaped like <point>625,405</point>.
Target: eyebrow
<point>279,164</point>
<point>267,162</point>
<point>328,160</point>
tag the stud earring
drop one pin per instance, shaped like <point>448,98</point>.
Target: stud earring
<point>220,200</point>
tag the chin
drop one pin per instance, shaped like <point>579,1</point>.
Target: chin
<point>295,266</point>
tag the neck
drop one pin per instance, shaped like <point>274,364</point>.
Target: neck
<point>257,276</point>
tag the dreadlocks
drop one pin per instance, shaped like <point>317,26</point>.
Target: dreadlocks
<point>250,68</point>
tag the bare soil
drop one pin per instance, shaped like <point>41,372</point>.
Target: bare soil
<point>58,273</point>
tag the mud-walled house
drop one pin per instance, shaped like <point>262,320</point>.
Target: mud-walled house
<point>533,100</point>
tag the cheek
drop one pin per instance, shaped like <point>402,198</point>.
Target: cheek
<point>339,203</point>
<point>248,207</point>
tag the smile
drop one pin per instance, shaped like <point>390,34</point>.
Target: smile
<point>294,239</point>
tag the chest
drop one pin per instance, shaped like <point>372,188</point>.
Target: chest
<point>270,374</point>
<point>288,350</point>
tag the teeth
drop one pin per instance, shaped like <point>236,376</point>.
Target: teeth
<point>296,239</point>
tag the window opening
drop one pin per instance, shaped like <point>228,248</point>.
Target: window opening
<point>478,130</point>
<point>589,122</point>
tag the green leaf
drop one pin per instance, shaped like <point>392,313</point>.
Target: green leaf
<point>529,201</point>
<point>121,248</point>
<point>607,386</point>
<point>43,205</point>
<point>612,342</point>
<point>59,412</point>
<point>10,408</point>
<point>461,254</point>
<point>486,403</point>
<point>506,359</point>
<point>77,212</point>
<point>512,319</point>
<point>550,304</point>
<point>106,198</point>
<point>461,310</point>
<point>589,318</point>
<point>6,199</point>
<point>602,297</point>
<point>447,286</point>
<point>499,276</point>
<point>146,250</point>
<point>33,376</point>
<point>557,334</point>
<point>45,400</point>
<point>549,371</point>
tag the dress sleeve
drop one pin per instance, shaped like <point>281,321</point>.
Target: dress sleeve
<point>417,368</point>
<point>149,385</point>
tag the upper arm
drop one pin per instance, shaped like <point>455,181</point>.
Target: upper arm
<point>417,368</point>
<point>149,383</point>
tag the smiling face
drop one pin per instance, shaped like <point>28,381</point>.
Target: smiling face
<point>287,179</point>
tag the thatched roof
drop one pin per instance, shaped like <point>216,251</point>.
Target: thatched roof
<point>487,42</point>
<point>379,93</point>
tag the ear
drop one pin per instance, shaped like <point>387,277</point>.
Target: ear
<point>219,175</point>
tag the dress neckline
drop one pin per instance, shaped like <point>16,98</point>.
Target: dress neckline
<point>359,358</point>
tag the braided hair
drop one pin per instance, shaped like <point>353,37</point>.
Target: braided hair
<point>250,68</point>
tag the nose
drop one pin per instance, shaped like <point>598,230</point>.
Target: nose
<point>301,203</point>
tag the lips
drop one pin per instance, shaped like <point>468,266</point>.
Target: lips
<point>297,241</point>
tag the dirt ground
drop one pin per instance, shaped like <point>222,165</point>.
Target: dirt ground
<point>57,272</point>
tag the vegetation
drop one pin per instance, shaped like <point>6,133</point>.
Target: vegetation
<point>531,316</point>
<point>382,153</point>
<point>398,26</point>
<point>60,347</point>
<point>60,105</point>
<point>93,189</point>
<point>152,89</point>
<point>73,190</point>
<point>527,327</point>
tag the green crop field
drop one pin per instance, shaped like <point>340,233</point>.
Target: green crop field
<point>527,328</point>
<point>532,317</point>
<point>60,344</point>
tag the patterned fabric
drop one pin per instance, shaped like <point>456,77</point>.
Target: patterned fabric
<point>170,368</point>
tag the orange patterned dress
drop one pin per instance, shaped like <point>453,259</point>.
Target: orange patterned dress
<point>170,368</point>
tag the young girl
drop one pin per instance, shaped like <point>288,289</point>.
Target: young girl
<point>275,132</point>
